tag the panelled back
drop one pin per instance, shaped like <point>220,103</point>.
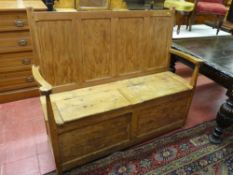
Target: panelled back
<point>90,48</point>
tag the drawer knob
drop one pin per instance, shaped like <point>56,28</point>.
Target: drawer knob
<point>19,23</point>
<point>26,61</point>
<point>29,79</point>
<point>22,42</point>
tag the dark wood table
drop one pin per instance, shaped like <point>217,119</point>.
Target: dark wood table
<point>217,55</point>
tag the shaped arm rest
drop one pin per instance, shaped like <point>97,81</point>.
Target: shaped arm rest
<point>45,87</point>
<point>193,60</point>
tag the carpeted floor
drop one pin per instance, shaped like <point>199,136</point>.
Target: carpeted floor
<point>185,152</point>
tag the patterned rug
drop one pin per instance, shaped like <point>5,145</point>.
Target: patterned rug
<point>185,152</point>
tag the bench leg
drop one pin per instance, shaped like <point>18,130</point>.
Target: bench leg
<point>224,119</point>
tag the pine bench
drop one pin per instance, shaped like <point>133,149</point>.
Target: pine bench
<point>105,82</point>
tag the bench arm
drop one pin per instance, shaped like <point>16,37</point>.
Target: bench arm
<point>193,60</point>
<point>45,87</point>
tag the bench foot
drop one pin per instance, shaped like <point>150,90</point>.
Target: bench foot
<point>215,137</point>
<point>224,119</point>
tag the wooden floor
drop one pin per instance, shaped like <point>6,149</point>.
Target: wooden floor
<point>23,142</point>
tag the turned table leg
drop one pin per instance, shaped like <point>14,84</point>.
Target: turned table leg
<point>172,66</point>
<point>224,118</point>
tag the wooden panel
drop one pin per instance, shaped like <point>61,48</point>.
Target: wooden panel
<point>145,88</point>
<point>153,117</point>
<point>75,145</point>
<point>56,52</point>
<point>130,45</point>
<point>90,103</point>
<point>101,46</point>
<point>15,61</point>
<point>96,49</point>
<point>156,49</point>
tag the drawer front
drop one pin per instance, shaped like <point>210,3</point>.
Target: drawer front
<point>16,80</point>
<point>14,41</point>
<point>13,21</point>
<point>10,62</point>
<point>14,34</point>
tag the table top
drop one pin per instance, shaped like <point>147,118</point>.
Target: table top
<point>216,52</point>
<point>18,5</point>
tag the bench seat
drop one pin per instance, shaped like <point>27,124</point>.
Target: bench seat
<point>95,121</point>
<point>76,104</point>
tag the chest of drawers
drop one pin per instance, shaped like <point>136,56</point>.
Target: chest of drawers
<point>16,52</point>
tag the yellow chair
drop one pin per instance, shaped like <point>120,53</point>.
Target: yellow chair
<point>183,9</point>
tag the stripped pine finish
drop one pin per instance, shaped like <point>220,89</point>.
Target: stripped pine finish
<point>109,87</point>
<point>118,44</point>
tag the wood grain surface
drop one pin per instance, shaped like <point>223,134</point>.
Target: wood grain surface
<point>17,5</point>
<point>103,47</point>
<point>117,62</point>
<point>16,55</point>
